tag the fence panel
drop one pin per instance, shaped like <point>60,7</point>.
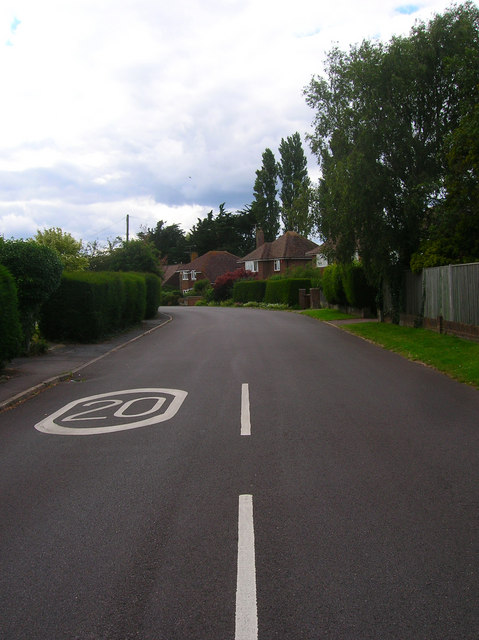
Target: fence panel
<point>451,292</point>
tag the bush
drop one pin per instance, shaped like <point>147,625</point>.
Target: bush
<point>332,285</point>
<point>285,291</point>
<point>223,287</point>
<point>153,294</point>
<point>170,297</point>
<point>10,329</point>
<point>357,291</point>
<point>37,272</point>
<point>91,305</point>
<point>249,290</point>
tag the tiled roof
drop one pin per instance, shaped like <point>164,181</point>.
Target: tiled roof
<point>289,245</point>
<point>213,264</point>
<point>169,271</point>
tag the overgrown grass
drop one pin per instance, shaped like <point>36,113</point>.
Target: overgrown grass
<point>327,314</point>
<point>453,356</point>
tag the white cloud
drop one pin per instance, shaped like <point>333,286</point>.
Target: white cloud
<point>161,111</point>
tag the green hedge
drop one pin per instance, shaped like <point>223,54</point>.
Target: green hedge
<point>332,285</point>
<point>285,291</point>
<point>10,329</point>
<point>249,290</point>
<point>346,284</point>
<point>358,292</point>
<point>91,305</point>
<point>153,294</point>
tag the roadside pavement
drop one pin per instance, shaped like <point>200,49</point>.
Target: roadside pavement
<point>24,377</point>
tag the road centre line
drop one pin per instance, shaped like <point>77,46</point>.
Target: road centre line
<point>245,412</point>
<point>246,622</point>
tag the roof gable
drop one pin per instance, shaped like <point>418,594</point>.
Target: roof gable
<point>213,264</point>
<point>289,245</point>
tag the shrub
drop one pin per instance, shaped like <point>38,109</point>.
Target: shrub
<point>153,294</point>
<point>170,298</point>
<point>90,305</point>
<point>37,272</point>
<point>10,329</point>
<point>223,287</point>
<point>332,285</point>
<point>249,290</point>
<point>357,291</point>
<point>285,291</point>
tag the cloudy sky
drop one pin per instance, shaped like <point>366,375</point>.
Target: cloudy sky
<point>160,110</point>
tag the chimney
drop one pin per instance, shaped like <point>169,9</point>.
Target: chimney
<point>259,237</point>
<point>193,255</point>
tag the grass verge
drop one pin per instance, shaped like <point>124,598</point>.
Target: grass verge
<point>453,356</point>
<point>327,314</point>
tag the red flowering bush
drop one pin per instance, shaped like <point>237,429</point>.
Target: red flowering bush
<point>223,286</point>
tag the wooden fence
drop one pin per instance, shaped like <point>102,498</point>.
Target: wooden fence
<point>446,296</point>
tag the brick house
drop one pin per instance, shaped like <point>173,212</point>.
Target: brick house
<point>271,258</point>
<point>206,267</point>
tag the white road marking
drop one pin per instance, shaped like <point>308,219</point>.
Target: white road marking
<point>245,413</point>
<point>104,403</point>
<point>246,624</point>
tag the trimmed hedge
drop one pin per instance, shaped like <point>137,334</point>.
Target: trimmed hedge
<point>153,294</point>
<point>358,292</point>
<point>249,291</point>
<point>346,284</point>
<point>332,285</point>
<point>10,329</point>
<point>285,291</point>
<point>91,305</point>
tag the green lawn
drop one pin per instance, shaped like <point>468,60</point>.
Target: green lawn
<point>327,314</point>
<point>453,356</point>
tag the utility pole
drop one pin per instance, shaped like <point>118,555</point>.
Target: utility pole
<point>127,227</point>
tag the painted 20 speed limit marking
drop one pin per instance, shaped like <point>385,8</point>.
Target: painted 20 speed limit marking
<point>114,411</point>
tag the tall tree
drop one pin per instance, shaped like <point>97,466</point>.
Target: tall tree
<point>383,115</point>
<point>225,232</point>
<point>295,185</point>
<point>69,250</point>
<point>265,206</point>
<point>169,240</point>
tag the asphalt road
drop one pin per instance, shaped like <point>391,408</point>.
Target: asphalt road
<point>348,509</point>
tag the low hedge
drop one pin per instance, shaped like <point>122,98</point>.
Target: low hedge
<point>249,291</point>
<point>91,305</point>
<point>285,291</point>
<point>10,328</point>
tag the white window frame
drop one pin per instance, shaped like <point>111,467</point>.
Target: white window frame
<point>251,265</point>
<point>193,274</point>
<point>185,275</point>
<point>277,265</point>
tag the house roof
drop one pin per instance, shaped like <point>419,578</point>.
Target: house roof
<point>169,270</point>
<point>212,264</point>
<point>289,245</point>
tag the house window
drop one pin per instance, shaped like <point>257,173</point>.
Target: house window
<point>193,275</point>
<point>252,265</point>
<point>185,275</point>
<point>277,265</point>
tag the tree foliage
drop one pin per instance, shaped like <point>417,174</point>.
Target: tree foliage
<point>169,240</point>
<point>37,272</point>
<point>224,232</point>
<point>383,118</point>
<point>265,206</point>
<point>134,255</point>
<point>69,250</point>
<point>295,186</point>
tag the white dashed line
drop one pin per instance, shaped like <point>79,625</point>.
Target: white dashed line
<point>246,625</point>
<point>245,413</point>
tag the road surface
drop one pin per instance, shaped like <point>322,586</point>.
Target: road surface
<point>242,474</point>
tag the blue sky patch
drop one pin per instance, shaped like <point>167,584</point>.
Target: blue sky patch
<point>407,9</point>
